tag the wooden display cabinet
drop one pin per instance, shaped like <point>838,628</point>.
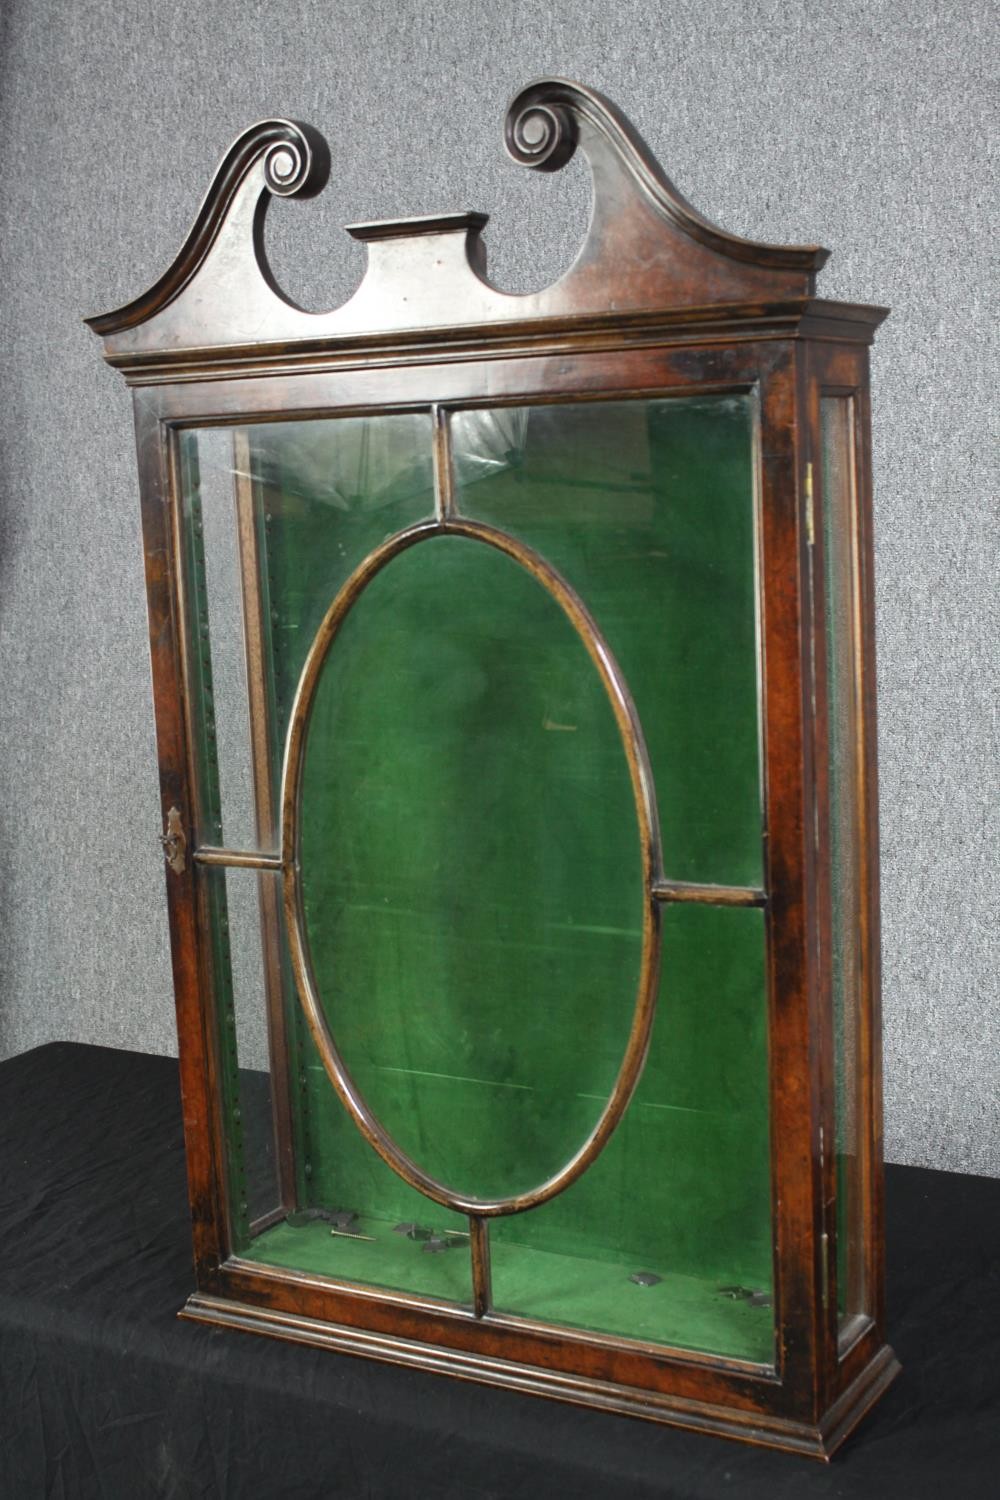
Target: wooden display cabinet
<point>514,694</point>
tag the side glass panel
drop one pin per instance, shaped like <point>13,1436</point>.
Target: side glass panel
<point>841,586</point>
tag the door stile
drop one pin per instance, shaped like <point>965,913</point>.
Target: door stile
<point>198,1063</point>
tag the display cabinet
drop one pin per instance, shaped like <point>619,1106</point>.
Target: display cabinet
<point>514,692</point>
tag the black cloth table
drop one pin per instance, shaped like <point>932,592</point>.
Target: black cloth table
<point>105,1393</point>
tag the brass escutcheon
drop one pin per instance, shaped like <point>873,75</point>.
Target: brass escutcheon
<point>174,842</point>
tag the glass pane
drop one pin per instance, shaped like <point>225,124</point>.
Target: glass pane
<point>471,867</point>
<point>204,665</point>
<point>245,1017</point>
<point>839,533</point>
<point>212,514</point>
<point>246,1102</point>
<point>334,1215</point>
<point>327,493</point>
<point>276,517</point>
<point>682,1192</point>
<point>647,508</point>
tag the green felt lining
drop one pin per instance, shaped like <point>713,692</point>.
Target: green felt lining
<point>685,1311</point>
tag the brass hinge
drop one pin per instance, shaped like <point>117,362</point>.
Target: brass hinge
<point>810,508</point>
<point>824,1250</point>
<point>174,842</point>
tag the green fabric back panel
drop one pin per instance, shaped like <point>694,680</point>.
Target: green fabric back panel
<point>470,853</point>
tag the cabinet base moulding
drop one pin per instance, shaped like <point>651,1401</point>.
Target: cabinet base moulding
<point>819,1441</point>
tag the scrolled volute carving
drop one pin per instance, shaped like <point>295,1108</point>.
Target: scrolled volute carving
<point>539,133</point>
<point>646,248</point>
<point>296,165</point>
<point>551,116</point>
<point>297,159</point>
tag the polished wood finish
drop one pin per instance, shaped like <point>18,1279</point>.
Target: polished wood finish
<point>659,302</point>
<point>646,247</point>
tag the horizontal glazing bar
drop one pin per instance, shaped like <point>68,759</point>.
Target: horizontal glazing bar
<point>238,859</point>
<point>709,895</point>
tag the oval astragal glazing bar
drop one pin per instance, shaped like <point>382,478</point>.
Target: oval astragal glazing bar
<point>630,730</point>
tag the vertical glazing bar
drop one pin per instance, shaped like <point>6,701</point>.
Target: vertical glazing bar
<point>264,802</point>
<point>444,488</point>
<point>479,1242</point>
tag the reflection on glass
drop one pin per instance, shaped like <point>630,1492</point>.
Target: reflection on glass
<point>246,1017</point>
<point>285,510</point>
<point>212,516</point>
<point>488,442</point>
<point>327,493</point>
<point>839,530</point>
<point>647,509</point>
<point>245,1081</point>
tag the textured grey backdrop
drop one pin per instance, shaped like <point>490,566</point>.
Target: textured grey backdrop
<point>858,123</point>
